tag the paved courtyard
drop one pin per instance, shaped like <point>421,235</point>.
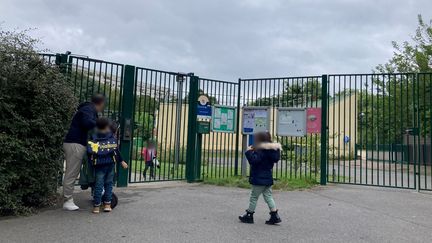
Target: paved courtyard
<point>199,213</point>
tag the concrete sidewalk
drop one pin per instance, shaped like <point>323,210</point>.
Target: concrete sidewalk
<point>198,213</point>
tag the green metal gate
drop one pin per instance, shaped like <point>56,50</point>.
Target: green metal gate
<point>219,152</point>
<point>379,130</point>
<point>160,108</point>
<point>376,128</point>
<point>301,156</point>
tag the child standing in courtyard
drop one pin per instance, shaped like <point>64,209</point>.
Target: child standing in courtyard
<point>262,156</point>
<point>103,154</point>
<point>149,155</point>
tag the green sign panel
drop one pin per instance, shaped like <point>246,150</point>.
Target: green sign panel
<point>223,119</point>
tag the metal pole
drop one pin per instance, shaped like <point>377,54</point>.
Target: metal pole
<point>323,167</point>
<point>192,130</point>
<point>180,80</point>
<point>127,118</point>
<point>236,161</point>
<point>244,162</point>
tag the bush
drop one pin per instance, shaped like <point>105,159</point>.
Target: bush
<point>36,105</point>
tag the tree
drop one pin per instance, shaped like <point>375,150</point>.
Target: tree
<point>36,105</point>
<point>145,103</point>
<point>401,91</point>
<point>414,56</point>
<point>301,93</point>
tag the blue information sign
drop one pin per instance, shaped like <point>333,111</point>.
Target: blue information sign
<point>204,110</point>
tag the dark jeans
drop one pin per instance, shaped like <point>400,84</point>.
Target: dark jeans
<point>149,164</point>
<point>104,176</point>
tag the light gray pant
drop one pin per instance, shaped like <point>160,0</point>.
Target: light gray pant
<point>74,153</point>
<point>266,191</point>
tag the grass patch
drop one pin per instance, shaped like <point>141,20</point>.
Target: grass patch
<point>279,184</point>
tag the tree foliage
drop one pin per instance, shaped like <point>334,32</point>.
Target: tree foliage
<point>392,99</point>
<point>301,93</point>
<point>414,55</point>
<point>36,105</point>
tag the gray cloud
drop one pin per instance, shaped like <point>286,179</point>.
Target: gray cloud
<point>224,39</point>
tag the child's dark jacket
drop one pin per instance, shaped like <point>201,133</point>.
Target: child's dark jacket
<point>261,161</point>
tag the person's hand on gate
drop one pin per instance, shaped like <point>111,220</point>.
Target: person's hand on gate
<point>250,148</point>
<point>124,164</point>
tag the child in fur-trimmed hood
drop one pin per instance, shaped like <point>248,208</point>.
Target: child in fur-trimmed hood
<point>262,156</point>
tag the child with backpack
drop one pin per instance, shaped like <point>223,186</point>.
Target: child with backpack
<point>103,154</point>
<point>262,156</point>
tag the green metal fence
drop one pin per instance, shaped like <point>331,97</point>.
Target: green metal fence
<point>376,128</point>
<point>219,152</point>
<point>301,156</point>
<point>379,130</point>
<point>424,124</point>
<point>160,116</point>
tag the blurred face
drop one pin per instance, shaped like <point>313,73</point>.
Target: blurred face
<point>100,107</point>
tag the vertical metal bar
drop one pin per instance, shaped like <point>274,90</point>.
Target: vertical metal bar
<point>399,125</point>
<point>192,129</point>
<point>423,126</point>
<point>407,124</point>
<point>417,126</point>
<point>361,115</point>
<point>127,115</point>
<point>236,162</point>
<point>184,125</point>
<point>343,92</point>
<point>180,81</point>
<point>323,174</point>
<point>429,82</point>
<point>349,128</point>
<point>355,128</point>
<point>143,120</point>
<point>373,130</point>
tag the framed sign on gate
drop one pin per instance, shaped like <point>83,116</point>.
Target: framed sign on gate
<point>291,121</point>
<point>224,119</point>
<point>256,119</point>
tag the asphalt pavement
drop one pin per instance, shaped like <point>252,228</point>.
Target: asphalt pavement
<point>200,213</point>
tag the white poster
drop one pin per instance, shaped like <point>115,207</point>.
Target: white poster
<point>255,119</point>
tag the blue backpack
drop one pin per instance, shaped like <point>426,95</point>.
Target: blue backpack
<point>102,150</point>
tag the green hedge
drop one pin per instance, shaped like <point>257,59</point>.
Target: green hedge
<point>36,105</point>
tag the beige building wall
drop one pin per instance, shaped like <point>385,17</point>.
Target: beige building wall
<point>166,130</point>
<point>341,115</point>
<point>342,122</point>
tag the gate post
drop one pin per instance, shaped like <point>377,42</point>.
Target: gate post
<point>191,160</point>
<point>62,61</point>
<point>324,130</point>
<point>236,161</point>
<point>126,123</point>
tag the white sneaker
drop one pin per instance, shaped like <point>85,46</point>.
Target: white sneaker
<point>69,205</point>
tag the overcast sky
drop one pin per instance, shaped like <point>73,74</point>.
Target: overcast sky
<point>224,39</point>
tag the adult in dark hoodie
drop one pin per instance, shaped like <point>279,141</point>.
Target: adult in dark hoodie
<point>75,142</point>
<point>262,156</point>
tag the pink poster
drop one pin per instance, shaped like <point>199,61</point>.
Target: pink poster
<point>313,120</point>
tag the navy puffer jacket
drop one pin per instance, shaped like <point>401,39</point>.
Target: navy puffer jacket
<point>261,161</point>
